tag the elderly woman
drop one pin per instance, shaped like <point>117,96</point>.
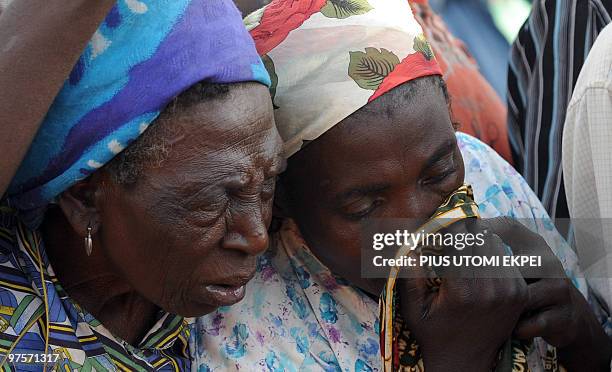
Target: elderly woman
<point>145,196</point>
<point>362,109</point>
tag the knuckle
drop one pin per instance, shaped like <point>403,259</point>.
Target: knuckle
<point>517,292</point>
<point>490,292</point>
<point>467,300</point>
<point>467,296</point>
<point>496,292</point>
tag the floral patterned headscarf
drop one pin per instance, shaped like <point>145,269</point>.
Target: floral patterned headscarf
<point>319,77</point>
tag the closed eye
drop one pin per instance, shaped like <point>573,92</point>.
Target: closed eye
<point>362,208</point>
<point>206,206</point>
<point>440,177</point>
<point>440,170</point>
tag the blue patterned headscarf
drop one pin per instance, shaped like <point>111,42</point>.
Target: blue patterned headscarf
<point>144,54</point>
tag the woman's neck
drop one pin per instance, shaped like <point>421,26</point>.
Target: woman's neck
<point>92,283</point>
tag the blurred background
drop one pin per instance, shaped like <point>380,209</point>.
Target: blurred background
<point>487,27</point>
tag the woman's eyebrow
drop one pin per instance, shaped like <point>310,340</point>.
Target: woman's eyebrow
<point>443,150</point>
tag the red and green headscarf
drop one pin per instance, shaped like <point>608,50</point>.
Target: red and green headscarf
<point>329,58</point>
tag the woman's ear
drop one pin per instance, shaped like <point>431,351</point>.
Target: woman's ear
<point>78,203</point>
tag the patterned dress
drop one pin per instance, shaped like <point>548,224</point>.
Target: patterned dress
<point>298,316</point>
<point>35,317</point>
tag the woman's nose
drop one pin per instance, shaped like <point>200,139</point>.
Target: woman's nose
<point>248,233</point>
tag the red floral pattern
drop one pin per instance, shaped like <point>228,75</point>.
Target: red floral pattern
<point>315,60</point>
<point>279,19</point>
<point>412,67</point>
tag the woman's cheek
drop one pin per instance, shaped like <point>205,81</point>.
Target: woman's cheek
<point>267,212</point>
<point>460,166</point>
<point>346,241</point>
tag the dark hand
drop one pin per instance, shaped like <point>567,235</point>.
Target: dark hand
<point>463,324</point>
<point>40,43</point>
<point>555,310</point>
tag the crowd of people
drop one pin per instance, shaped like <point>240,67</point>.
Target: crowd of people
<point>184,187</point>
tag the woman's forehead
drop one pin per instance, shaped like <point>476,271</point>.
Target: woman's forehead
<point>233,134</point>
<point>391,123</point>
<point>244,112</point>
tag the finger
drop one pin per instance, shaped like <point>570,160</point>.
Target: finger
<point>414,280</point>
<point>417,268</point>
<point>509,294</point>
<point>546,293</point>
<point>468,257</point>
<point>503,285</point>
<point>549,324</point>
<point>414,298</point>
<point>484,279</point>
<point>520,238</point>
<point>495,248</point>
<point>549,265</point>
<point>457,229</point>
<point>525,242</point>
<point>439,250</point>
<point>533,326</point>
<point>510,230</point>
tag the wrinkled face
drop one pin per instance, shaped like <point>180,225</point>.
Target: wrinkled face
<point>187,234</point>
<point>394,158</point>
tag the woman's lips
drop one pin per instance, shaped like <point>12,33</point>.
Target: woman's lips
<point>228,290</point>
<point>222,295</point>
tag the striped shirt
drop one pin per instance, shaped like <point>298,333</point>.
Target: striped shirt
<point>545,61</point>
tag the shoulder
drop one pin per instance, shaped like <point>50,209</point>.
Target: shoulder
<point>499,190</point>
<point>494,180</point>
<point>596,75</point>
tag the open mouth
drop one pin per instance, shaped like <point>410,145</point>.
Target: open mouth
<point>224,295</point>
<point>226,289</point>
<point>229,291</point>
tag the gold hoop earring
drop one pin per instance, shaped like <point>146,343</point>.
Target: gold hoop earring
<point>88,242</point>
